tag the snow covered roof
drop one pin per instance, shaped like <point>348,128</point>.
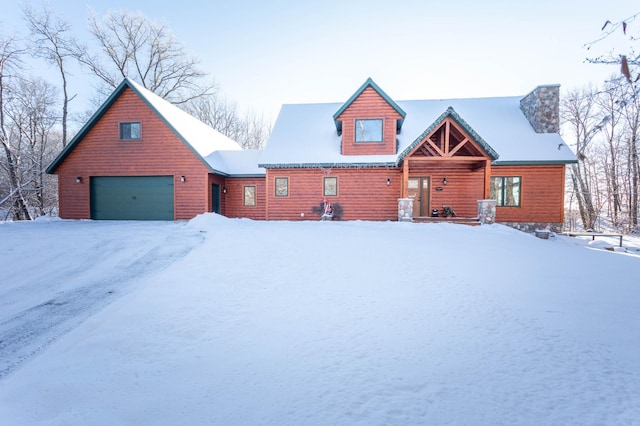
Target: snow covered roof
<point>243,163</point>
<point>198,136</point>
<point>304,135</point>
<point>203,138</point>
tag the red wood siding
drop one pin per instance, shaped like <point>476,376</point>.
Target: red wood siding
<point>369,105</point>
<point>233,200</point>
<point>542,198</point>
<point>158,152</point>
<point>362,193</point>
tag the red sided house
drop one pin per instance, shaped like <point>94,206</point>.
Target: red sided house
<point>371,158</point>
<point>141,158</point>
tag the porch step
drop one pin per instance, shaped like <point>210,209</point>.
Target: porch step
<point>471,221</point>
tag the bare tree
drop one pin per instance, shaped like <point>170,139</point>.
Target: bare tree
<point>34,141</point>
<point>147,52</point>
<point>626,61</point>
<point>250,130</point>
<point>10,60</point>
<point>579,111</point>
<point>630,108</point>
<point>53,42</point>
<point>609,101</point>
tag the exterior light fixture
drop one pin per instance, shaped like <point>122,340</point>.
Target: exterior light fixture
<point>388,181</point>
<point>79,179</point>
<point>444,180</point>
<point>224,189</point>
<point>181,178</point>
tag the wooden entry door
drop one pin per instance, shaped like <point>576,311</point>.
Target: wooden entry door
<point>418,188</point>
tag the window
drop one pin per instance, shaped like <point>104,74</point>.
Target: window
<point>249,195</point>
<point>282,187</point>
<point>330,186</point>
<point>129,131</point>
<point>506,190</point>
<point>369,130</point>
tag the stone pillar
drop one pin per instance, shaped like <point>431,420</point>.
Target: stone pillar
<point>486,211</point>
<point>405,209</point>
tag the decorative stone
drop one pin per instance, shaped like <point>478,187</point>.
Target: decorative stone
<point>542,233</point>
<point>542,108</point>
<point>486,211</point>
<point>405,209</point>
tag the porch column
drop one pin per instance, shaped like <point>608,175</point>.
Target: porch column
<point>405,177</point>
<point>487,179</point>
<point>486,211</point>
<point>405,210</point>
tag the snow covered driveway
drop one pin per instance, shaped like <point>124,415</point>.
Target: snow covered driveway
<point>339,323</point>
<point>55,274</point>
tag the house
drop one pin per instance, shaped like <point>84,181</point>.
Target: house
<point>370,151</point>
<point>367,156</point>
<point>140,157</point>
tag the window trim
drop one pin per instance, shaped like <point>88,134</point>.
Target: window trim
<point>255,201</point>
<point>355,130</point>
<point>121,133</point>
<point>275,186</point>
<point>324,186</point>
<point>503,191</point>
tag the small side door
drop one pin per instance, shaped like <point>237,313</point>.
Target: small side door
<point>215,198</point>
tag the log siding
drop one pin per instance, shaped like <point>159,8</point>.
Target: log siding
<point>159,152</point>
<point>369,105</point>
<point>541,194</point>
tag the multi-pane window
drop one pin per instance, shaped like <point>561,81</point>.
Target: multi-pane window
<point>282,186</point>
<point>249,195</point>
<point>130,130</point>
<point>369,130</point>
<point>330,186</point>
<point>506,190</point>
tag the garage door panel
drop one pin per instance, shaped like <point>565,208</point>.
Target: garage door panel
<point>132,198</point>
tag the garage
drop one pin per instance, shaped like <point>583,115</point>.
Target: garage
<point>132,198</point>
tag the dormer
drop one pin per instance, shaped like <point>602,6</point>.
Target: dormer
<point>369,122</point>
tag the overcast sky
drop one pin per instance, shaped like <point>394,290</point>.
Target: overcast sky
<point>266,53</point>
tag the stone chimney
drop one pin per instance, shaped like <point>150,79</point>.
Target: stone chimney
<point>542,108</point>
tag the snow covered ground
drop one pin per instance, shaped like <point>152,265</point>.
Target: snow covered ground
<point>235,322</point>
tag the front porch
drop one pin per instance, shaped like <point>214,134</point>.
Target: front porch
<point>471,221</point>
<point>446,171</point>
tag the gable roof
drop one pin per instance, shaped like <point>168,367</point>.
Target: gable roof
<point>200,138</point>
<point>304,136</point>
<point>374,86</point>
<point>450,112</point>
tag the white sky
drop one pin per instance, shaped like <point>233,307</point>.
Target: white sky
<point>264,54</point>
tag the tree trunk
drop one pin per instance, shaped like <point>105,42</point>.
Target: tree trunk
<point>585,204</point>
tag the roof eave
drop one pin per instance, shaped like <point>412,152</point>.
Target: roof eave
<point>328,165</point>
<point>533,162</point>
<point>87,127</point>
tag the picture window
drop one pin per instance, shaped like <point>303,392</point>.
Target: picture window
<point>369,130</point>
<point>506,190</point>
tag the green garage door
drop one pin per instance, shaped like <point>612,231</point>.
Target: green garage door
<point>132,197</point>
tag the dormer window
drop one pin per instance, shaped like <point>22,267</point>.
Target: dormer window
<point>129,131</point>
<point>369,130</point>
